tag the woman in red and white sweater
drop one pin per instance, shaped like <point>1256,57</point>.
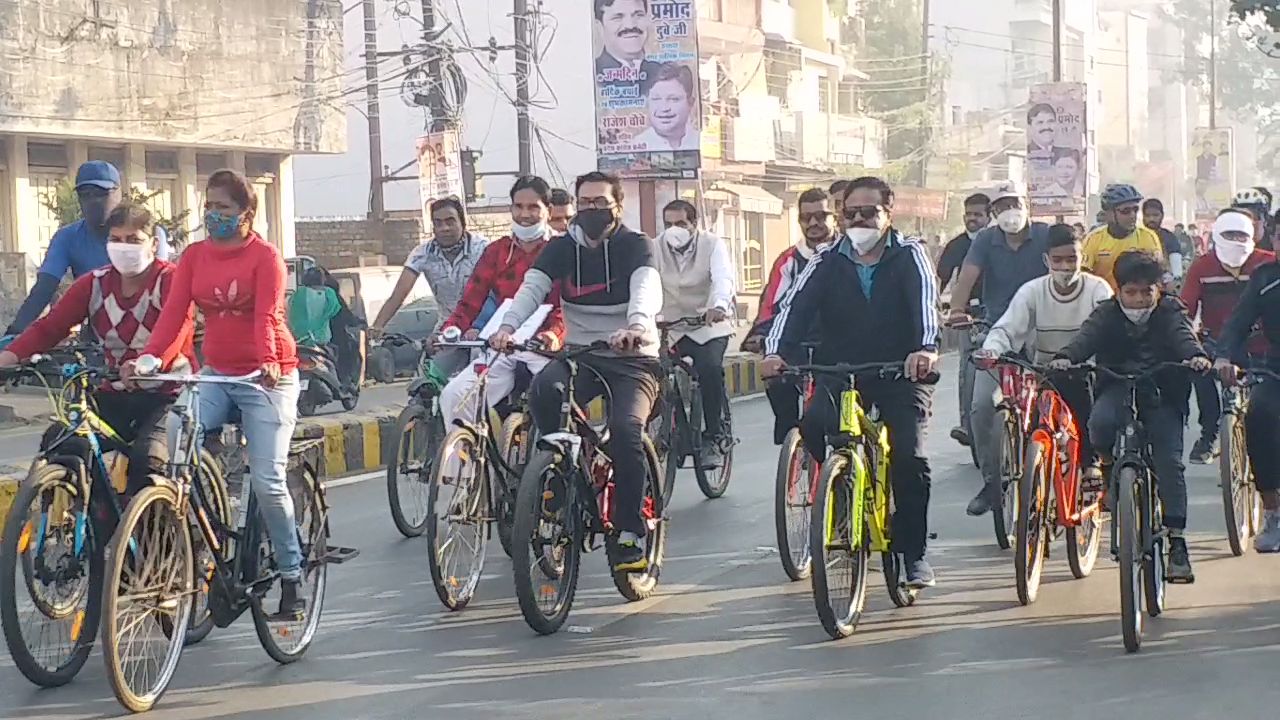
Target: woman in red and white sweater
<point>237,280</point>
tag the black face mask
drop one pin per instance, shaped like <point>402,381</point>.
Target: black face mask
<point>595,222</point>
<point>95,210</point>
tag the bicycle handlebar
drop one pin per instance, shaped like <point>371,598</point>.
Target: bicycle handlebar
<point>567,353</point>
<point>249,380</point>
<point>884,371</point>
<point>1144,374</point>
<point>692,322</point>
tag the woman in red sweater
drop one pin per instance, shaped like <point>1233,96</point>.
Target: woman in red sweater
<point>237,280</point>
<point>122,303</point>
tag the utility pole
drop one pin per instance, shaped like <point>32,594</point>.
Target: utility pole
<point>377,206</point>
<point>435,101</point>
<point>1213,64</point>
<point>927,116</point>
<point>523,50</point>
<point>1057,40</point>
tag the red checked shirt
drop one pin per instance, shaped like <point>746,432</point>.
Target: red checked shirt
<point>498,273</point>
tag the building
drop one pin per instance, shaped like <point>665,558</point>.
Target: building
<point>169,91</point>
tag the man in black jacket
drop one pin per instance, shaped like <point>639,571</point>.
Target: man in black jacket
<point>1133,332</point>
<point>977,214</point>
<point>872,297</point>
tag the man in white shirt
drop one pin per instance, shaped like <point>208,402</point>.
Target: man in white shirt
<point>672,98</point>
<point>698,280</point>
<point>1042,319</point>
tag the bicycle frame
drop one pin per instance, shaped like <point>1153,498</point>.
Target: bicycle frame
<point>868,482</point>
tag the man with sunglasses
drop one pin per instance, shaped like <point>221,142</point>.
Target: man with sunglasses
<point>1006,256</point>
<point>1122,233</point>
<point>872,297</point>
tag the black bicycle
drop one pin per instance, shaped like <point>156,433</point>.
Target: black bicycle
<point>1241,501</point>
<point>411,464</point>
<point>677,424</point>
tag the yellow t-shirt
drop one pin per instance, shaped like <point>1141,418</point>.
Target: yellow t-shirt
<point>1101,250</point>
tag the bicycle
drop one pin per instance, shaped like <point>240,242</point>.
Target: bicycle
<point>411,463</point>
<point>978,329</point>
<point>565,506</point>
<point>58,525</point>
<point>795,486</point>
<point>1241,501</point>
<point>1051,498</point>
<point>150,562</point>
<point>485,466</point>
<point>852,514</point>
<point>676,429</point>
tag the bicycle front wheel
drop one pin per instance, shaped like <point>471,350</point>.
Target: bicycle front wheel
<point>1129,538</point>
<point>147,598</point>
<point>458,498</point>
<point>1005,517</point>
<point>1238,495</point>
<point>413,454</point>
<point>714,481</point>
<point>840,558</point>
<point>547,523</point>
<point>1032,527</point>
<point>792,505</point>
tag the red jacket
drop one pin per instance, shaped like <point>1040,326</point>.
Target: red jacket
<point>782,278</point>
<point>498,273</point>
<point>240,290</point>
<point>1213,291</point>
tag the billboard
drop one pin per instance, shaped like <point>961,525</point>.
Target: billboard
<point>648,114</point>
<point>1213,158</point>
<point>1057,149</point>
<point>439,168</point>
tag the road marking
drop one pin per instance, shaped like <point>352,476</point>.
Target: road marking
<point>355,479</point>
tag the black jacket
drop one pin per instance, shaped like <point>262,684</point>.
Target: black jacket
<point>1259,304</point>
<point>900,317</point>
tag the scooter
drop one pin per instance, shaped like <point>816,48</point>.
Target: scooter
<point>320,385</point>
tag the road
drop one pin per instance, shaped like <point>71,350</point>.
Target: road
<point>728,637</point>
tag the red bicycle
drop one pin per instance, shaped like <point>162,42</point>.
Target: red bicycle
<point>1052,500</point>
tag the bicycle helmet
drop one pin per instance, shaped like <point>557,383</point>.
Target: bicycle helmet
<point>1253,197</point>
<point>1119,194</point>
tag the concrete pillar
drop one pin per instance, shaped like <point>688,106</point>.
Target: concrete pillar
<point>235,161</point>
<point>189,193</point>
<point>286,236</point>
<point>77,155</point>
<point>26,206</point>
<point>135,166</point>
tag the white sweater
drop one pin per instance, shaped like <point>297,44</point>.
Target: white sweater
<point>1041,319</point>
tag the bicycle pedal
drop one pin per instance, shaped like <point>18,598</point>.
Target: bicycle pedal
<point>338,555</point>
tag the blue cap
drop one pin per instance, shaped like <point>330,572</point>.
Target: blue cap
<point>98,173</point>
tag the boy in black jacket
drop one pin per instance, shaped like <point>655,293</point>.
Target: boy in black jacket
<point>1135,331</point>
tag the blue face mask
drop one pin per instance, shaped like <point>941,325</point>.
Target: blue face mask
<point>219,226</point>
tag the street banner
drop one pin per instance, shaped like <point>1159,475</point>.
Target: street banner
<point>648,115</point>
<point>1213,182</point>
<point>1057,149</point>
<point>439,169</point>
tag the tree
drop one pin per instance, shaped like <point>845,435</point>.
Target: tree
<point>64,204</point>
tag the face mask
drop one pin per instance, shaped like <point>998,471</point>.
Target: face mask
<point>863,239</point>
<point>594,222</point>
<point>677,238</point>
<point>94,210</point>
<point>1138,316</point>
<point>130,260</point>
<point>219,226</point>
<point>529,233</point>
<point>1012,220</point>
<point>1230,253</point>
<point>1065,278</point>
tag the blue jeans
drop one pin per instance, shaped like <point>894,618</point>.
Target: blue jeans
<point>267,421</point>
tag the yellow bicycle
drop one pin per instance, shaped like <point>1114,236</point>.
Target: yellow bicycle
<point>853,508</point>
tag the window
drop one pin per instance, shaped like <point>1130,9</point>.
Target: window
<point>113,155</point>
<point>209,163</point>
<point>752,261</point>
<point>162,162</point>
<point>260,166</point>
<point>47,155</point>
<point>824,95</point>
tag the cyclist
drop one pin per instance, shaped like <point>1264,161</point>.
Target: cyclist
<point>1213,288</point>
<point>237,280</point>
<point>815,216</point>
<point>1136,330</point>
<point>1257,202</point>
<point>1153,220</point>
<point>1006,256</point>
<point>497,276</point>
<point>561,210</point>
<point>1121,233</point>
<point>610,291</point>
<point>977,214</point>
<point>874,298</point>
<point>447,263</point>
<point>697,279</point>
<point>1044,316</point>
<point>121,303</point>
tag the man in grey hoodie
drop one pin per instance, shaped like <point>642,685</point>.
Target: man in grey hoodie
<point>610,292</point>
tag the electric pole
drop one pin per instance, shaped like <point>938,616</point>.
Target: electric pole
<point>1213,64</point>
<point>523,50</point>
<point>1057,40</point>
<point>435,101</point>
<point>377,206</point>
<point>927,115</point>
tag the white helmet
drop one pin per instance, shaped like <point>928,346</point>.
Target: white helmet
<point>1252,197</point>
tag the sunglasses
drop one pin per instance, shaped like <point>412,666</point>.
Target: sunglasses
<point>866,212</point>
<point>806,218</point>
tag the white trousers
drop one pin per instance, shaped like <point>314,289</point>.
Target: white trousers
<point>458,398</point>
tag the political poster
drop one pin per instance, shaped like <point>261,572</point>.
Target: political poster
<point>648,116</point>
<point>439,168</point>
<point>1213,154</point>
<point>1057,149</point>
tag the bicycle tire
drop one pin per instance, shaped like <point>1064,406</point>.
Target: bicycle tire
<point>1233,478</point>
<point>83,637</point>
<point>838,623</point>
<point>1084,540</point>
<point>215,487</point>
<point>640,586</point>
<point>516,448</point>
<point>311,517</point>
<point>713,482</point>
<point>125,545</point>
<point>1005,516</point>
<point>529,511</point>
<point>1154,563</point>
<point>413,419</point>
<point>1032,531</point>
<point>459,444</point>
<point>791,476</point>
<point>1129,539</point>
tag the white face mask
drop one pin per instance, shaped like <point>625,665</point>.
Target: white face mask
<point>529,233</point>
<point>1012,220</point>
<point>676,238</point>
<point>1231,253</point>
<point>129,260</point>
<point>1065,278</point>
<point>863,239</point>
<point>1138,316</point>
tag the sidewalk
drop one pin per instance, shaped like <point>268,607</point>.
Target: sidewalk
<point>21,405</point>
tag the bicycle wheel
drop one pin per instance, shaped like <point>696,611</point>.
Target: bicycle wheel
<point>1005,517</point>
<point>1233,478</point>
<point>664,428</point>
<point>1032,529</point>
<point>546,515</point>
<point>1084,540</point>
<point>50,593</point>
<point>418,435</point>
<point>517,441</point>
<point>214,493</point>
<point>1154,563</point>
<point>1129,538</point>
<point>638,586</point>
<point>792,502</point>
<point>840,578</point>
<point>458,496</point>
<point>286,639</point>
<point>713,482</point>
<point>147,598</point>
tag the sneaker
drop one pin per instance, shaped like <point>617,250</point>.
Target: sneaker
<point>292,607</point>
<point>1179,569</point>
<point>1268,540</point>
<point>629,555</point>
<point>920,574</point>
<point>1204,451</point>
<point>982,503</point>
<point>709,457</point>
<point>959,435</point>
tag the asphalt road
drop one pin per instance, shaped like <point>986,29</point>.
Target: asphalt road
<point>728,637</point>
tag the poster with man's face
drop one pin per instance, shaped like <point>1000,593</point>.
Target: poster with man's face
<point>646,85</point>
<point>1057,155</point>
